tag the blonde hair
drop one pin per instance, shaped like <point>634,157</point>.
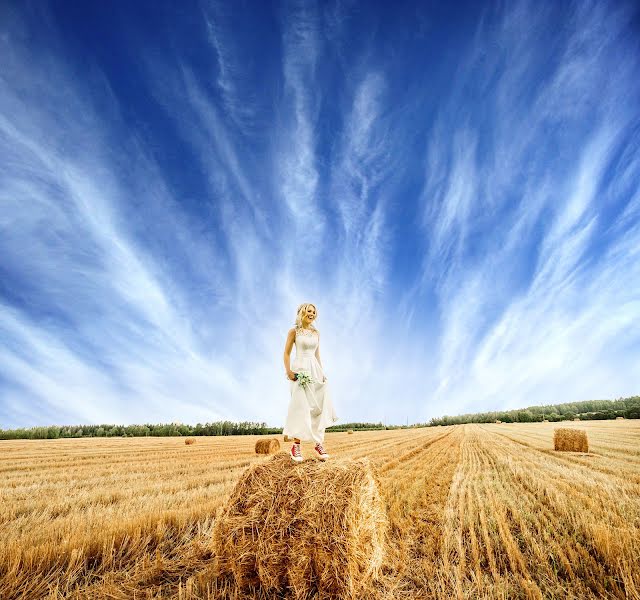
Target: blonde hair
<point>302,309</point>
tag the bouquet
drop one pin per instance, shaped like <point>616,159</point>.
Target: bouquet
<point>304,379</point>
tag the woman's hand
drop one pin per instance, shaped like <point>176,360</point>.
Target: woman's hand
<point>291,375</point>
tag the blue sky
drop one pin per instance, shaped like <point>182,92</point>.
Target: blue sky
<point>455,186</point>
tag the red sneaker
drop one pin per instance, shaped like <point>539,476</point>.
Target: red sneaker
<point>321,452</point>
<point>296,455</point>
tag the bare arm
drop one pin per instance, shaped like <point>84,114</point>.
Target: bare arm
<point>291,338</point>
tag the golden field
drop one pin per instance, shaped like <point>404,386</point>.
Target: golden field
<point>476,511</point>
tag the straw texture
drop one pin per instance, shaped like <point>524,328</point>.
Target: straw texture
<point>570,440</point>
<point>270,446</point>
<point>291,531</point>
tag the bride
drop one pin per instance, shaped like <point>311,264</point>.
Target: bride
<point>310,408</point>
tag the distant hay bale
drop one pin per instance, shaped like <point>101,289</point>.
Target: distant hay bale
<point>288,439</point>
<point>570,440</point>
<point>270,446</point>
<point>349,431</point>
<point>576,418</point>
<point>498,421</point>
<point>619,418</point>
<point>545,420</point>
<point>293,530</point>
<point>189,441</point>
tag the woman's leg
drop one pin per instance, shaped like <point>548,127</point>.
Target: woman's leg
<point>318,438</point>
<point>296,455</point>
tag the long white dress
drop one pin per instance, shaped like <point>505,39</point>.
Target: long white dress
<point>310,408</point>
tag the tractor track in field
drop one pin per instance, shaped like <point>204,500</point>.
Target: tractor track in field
<point>473,511</point>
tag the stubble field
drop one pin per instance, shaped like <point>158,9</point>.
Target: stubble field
<point>476,511</point>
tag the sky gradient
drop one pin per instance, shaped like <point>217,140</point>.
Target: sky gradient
<point>454,186</point>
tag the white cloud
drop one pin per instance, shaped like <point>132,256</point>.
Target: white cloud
<point>563,332</point>
<point>129,299</point>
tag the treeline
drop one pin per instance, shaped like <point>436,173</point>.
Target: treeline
<point>363,427</point>
<point>629,408</point>
<point>158,430</point>
<point>53,432</point>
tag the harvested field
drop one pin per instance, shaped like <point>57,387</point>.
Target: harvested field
<point>474,511</point>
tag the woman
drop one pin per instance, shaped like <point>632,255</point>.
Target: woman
<point>310,407</point>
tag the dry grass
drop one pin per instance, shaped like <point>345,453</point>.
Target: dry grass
<point>298,530</point>
<point>570,440</point>
<point>476,511</point>
<point>270,446</point>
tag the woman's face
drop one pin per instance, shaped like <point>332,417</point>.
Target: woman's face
<point>310,313</point>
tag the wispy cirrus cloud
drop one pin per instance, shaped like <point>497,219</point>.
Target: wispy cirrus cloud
<point>296,158</point>
<point>97,301</point>
<point>469,240</point>
<point>529,313</point>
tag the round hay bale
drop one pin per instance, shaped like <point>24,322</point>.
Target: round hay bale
<point>295,530</point>
<point>270,446</point>
<point>576,418</point>
<point>619,418</point>
<point>570,440</point>
<point>288,439</point>
<point>189,441</point>
<point>498,421</point>
<point>545,420</point>
<point>349,431</point>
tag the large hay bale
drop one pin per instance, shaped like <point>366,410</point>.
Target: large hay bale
<point>498,421</point>
<point>545,420</point>
<point>570,440</point>
<point>619,418</point>
<point>291,530</point>
<point>576,418</point>
<point>189,441</point>
<point>270,446</point>
<point>349,431</point>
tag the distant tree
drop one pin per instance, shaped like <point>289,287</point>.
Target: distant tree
<point>633,413</point>
<point>588,409</point>
<point>524,416</point>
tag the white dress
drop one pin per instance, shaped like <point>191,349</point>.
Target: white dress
<point>310,408</point>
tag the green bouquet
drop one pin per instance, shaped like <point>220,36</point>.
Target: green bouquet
<point>304,379</point>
